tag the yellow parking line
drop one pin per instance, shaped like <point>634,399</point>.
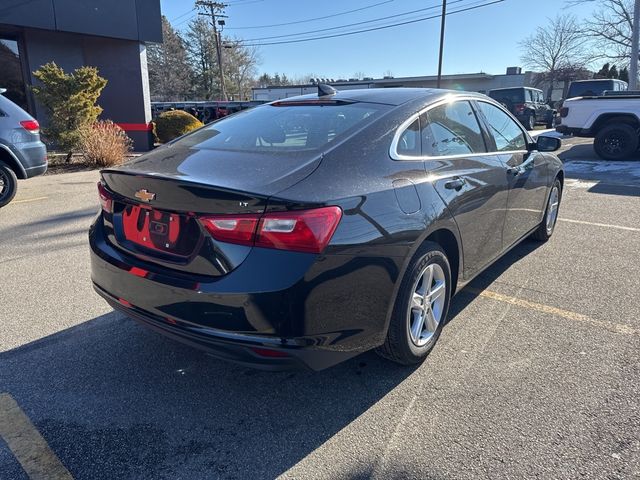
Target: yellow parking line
<point>26,200</point>
<point>606,225</point>
<point>569,315</point>
<point>26,443</point>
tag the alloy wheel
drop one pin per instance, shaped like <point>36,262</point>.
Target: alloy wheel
<point>552,209</point>
<point>4,184</point>
<point>427,304</point>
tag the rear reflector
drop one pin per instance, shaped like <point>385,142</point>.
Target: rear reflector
<point>31,125</point>
<point>299,231</point>
<point>265,352</point>
<point>106,200</point>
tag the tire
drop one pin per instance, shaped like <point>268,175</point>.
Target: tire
<point>530,122</point>
<point>548,224</point>
<point>8,184</point>
<point>616,142</point>
<point>550,122</point>
<point>401,346</point>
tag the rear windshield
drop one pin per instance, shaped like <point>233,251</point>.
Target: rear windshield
<point>284,128</point>
<point>589,89</point>
<point>509,96</point>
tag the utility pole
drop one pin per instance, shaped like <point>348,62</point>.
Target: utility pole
<point>442,24</point>
<point>214,11</point>
<point>635,38</point>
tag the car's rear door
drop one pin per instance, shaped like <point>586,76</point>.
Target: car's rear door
<point>471,181</point>
<point>525,171</point>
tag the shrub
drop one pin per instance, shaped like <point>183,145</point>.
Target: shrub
<point>104,144</point>
<point>70,102</point>
<point>174,123</point>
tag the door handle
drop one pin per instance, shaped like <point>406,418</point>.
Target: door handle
<point>455,184</point>
<point>515,171</point>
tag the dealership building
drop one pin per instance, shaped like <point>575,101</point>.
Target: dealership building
<point>107,34</point>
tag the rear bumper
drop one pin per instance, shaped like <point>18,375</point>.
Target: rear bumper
<point>306,306</point>
<point>577,132</point>
<point>33,157</point>
<point>250,351</point>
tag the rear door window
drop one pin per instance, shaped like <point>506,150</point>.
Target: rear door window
<point>505,131</point>
<point>508,96</point>
<point>451,129</point>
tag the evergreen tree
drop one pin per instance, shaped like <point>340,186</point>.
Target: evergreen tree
<point>70,102</point>
<point>169,71</point>
<point>603,72</point>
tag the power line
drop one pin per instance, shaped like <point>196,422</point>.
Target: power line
<point>466,9</point>
<point>188,19</point>
<point>313,19</point>
<point>364,22</point>
<point>180,16</point>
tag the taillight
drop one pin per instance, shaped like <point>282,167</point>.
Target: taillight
<point>106,200</point>
<point>519,107</point>
<point>30,125</point>
<point>299,231</point>
<point>239,229</point>
<point>564,111</point>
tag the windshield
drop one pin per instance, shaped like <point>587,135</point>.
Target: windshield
<point>509,96</point>
<point>589,89</point>
<point>284,128</point>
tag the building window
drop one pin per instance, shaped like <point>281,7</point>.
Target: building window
<point>11,72</point>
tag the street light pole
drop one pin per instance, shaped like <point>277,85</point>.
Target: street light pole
<point>442,24</point>
<point>635,39</point>
<point>214,11</point>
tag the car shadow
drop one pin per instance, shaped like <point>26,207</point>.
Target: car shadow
<point>467,294</point>
<point>114,400</point>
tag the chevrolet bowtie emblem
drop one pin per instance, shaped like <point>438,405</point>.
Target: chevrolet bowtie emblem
<point>145,195</point>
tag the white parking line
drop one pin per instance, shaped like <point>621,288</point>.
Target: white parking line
<point>614,327</point>
<point>26,200</point>
<point>605,225</point>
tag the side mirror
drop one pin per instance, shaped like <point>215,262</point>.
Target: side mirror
<point>547,144</point>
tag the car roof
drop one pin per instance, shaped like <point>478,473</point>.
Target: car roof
<point>389,96</point>
<point>598,80</point>
<point>513,88</point>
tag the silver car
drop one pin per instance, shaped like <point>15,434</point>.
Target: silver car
<point>22,154</point>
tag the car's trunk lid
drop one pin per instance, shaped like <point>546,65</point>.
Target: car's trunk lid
<point>158,199</point>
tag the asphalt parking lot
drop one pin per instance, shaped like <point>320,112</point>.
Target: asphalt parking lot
<point>535,376</point>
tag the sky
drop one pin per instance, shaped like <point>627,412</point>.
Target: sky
<point>480,40</point>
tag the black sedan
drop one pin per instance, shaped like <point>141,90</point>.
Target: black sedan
<point>308,230</point>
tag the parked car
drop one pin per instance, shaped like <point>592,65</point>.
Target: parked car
<point>613,121</point>
<point>527,104</point>
<point>594,88</point>
<point>22,154</point>
<point>280,245</point>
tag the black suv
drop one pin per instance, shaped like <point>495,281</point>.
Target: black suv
<point>527,104</point>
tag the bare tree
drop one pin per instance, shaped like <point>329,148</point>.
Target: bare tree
<point>201,52</point>
<point>240,68</point>
<point>556,47</point>
<point>610,28</point>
